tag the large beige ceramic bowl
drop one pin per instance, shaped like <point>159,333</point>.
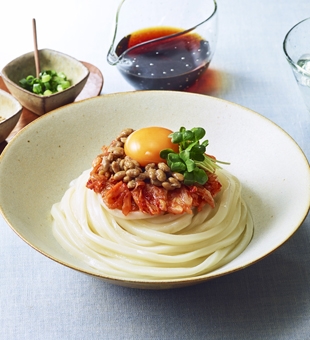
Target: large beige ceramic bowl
<point>10,111</point>
<point>24,66</point>
<point>39,163</point>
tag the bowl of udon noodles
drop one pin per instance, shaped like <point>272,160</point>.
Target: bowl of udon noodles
<point>73,187</point>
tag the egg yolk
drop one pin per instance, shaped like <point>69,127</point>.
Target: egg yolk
<point>144,145</point>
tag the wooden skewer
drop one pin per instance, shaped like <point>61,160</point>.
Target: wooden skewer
<point>36,53</point>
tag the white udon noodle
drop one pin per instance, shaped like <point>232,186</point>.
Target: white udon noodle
<point>164,247</point>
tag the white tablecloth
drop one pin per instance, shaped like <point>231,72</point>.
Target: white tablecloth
<point>40,299</point>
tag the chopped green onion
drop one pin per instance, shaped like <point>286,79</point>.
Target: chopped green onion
<point>37,88</point>
<point>47,93</point>
<point>46,78</point>
<point>49,82</point>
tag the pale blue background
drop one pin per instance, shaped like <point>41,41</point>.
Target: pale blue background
<point>40,299</point>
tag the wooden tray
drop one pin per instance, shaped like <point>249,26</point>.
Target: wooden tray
<point>92,88</point>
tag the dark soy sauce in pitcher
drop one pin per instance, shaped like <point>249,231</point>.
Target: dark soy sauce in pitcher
<point>165,62</point>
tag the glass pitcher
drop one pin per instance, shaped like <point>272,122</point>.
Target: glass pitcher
<point>163,44</point>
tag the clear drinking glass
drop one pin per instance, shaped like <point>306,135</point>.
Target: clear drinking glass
<point>163,44</point>
<point>296,47</point>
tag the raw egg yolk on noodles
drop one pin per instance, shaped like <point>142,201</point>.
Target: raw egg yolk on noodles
<point>144,145</point>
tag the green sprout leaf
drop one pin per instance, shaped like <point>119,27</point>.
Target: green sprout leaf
<point>191,161</point>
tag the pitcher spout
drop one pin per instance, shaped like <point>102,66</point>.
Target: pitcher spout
<point>112,57</point>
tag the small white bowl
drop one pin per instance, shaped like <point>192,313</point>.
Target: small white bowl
<point>24,66</point>
<point>10,111</point>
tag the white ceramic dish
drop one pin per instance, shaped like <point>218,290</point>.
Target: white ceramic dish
<point>10,111</point>
<point>38,164</point>
<point>24,66</point>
